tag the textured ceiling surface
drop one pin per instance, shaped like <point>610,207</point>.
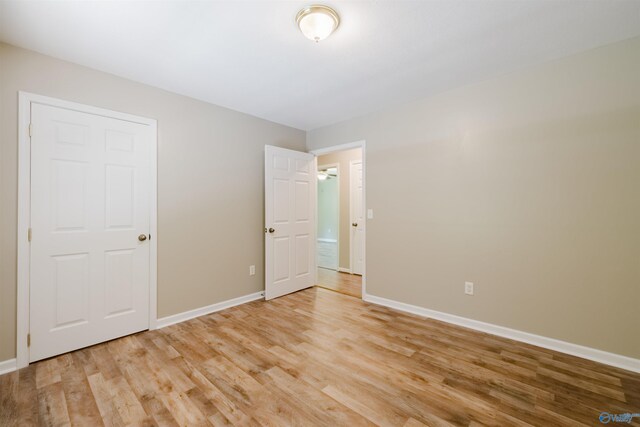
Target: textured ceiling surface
<point>250,56</point>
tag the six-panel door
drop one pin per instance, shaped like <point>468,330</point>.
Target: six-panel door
<point>290,221</point>
<point>90,202</point>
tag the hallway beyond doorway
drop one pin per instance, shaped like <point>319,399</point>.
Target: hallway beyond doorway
<point>344,283</point>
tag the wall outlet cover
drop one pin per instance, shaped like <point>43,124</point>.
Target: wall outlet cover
<point>468,288</point>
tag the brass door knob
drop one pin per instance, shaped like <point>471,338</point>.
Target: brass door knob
<point>142,237</point>
<point>355,224</point>
<point>271,230</point>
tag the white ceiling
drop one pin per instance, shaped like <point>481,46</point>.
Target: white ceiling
<point>251,57</point>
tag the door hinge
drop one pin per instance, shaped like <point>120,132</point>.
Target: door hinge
<point>29,234</point>
<point>28,340</point>
<point>29,130</point>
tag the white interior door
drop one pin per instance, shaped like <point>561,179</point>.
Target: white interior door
<point>357,219</point>
<point>290,200</point>
<point>90,220</point>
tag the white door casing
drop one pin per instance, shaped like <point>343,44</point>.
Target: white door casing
<point>290,221</point>
<point>91,195</point>
<point>358,221</point>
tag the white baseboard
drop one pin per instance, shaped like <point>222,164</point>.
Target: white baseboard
<point>617,360</point>
<point>344,270</point>
<point>7,366</point>
<point>181,317</point>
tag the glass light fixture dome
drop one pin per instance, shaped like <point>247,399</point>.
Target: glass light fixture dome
<point>317,22</point>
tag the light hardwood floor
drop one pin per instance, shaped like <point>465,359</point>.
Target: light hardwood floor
<point>348,284</point>
<point>315,358</point>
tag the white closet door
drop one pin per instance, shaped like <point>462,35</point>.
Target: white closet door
<point>358,222</point>
<point>90,220</point>
<point>290,201</point>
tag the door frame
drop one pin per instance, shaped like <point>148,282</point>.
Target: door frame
<point>318,168</point>
<point>348,146</point>
<point>25,99</point>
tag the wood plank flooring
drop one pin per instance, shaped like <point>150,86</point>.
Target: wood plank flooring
<point>345,283</point>
<point>315,358</point>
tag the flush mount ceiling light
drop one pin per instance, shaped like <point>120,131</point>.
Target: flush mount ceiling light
<point>317,22</point>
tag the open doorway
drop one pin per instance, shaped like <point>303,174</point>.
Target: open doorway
<point>341,221</point>
<point>328,240</point>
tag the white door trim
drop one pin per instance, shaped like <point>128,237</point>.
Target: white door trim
<point>348,146</point>
<point>340,147</point>
<point>319,168</point>
<point>24,209</point>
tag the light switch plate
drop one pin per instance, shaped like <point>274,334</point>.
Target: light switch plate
<point>369,213</point>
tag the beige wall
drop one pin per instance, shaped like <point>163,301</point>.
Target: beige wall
<point>527,185</point>
<point>343,158</point>
<point>210,183</point>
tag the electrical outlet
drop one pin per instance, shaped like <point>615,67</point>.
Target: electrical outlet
<point>468,288</point>
<point>369,213</point>
<point>252,270</point>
